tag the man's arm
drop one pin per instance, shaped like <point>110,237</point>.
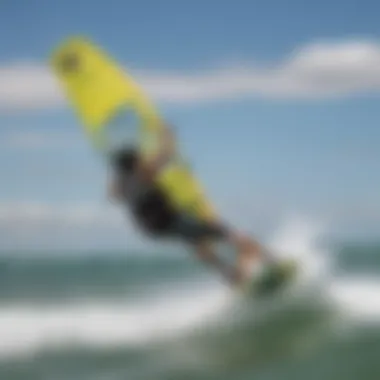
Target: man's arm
<point>113,187</point>
<point>165,152</point>
<point>206,253</point>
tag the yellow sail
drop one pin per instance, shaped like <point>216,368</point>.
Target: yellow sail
<point>107,99</point>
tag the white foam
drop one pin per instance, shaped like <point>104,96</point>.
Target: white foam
<point>26,329</point>
<point>297,239</point>
<point>358,298</point>
<point>355,297</point>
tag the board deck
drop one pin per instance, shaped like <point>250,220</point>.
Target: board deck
<point>274,279</point>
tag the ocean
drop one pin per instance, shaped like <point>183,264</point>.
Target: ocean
<point>142,316</point>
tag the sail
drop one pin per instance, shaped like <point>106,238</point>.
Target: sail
<point>114,110</point>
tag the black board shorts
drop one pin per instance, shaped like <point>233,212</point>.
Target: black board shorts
<point>193,230</point>
<point>185,228</point>
<point>156,217</point>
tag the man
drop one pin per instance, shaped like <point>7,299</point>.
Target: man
<point>133,183</point>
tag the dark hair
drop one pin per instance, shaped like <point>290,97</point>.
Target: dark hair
<point>125,160</point>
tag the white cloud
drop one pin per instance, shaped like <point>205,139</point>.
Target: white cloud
<point>42,214</point>
<point>24,140</point>
<point>314,71</point>
<point>40,225</point>
<point>38,139</point>
<point>25,85</point>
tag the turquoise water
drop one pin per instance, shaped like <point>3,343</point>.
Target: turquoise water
<point>155,316</point>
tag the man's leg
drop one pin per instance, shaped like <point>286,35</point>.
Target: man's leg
<point>205,251</point>
<point>201,234</point>
<point>248,253</point>
<point>248,250</point>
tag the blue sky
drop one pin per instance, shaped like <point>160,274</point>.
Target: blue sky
<point>276,105</point>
